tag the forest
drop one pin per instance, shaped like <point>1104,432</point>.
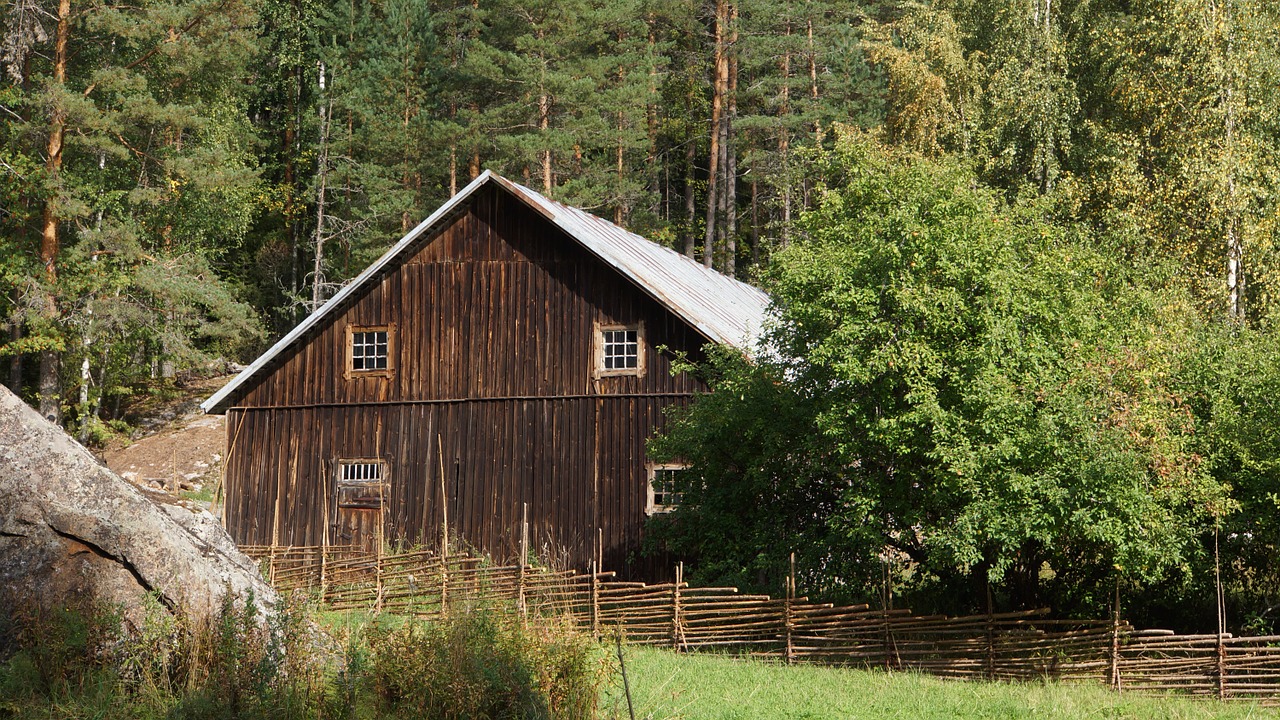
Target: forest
<point>1010,240</point>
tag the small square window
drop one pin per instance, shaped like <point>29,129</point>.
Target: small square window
<point>360,484</point>
<point>369,350</point>
<point>619,350</point>
<point>664,493</point>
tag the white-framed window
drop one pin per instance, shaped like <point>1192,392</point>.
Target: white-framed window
<point>370,350</point>
<point>360,483</point>
<point>619,350</point>
<point>663,488</point>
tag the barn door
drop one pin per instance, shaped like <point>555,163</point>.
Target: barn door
<point>360,503</point>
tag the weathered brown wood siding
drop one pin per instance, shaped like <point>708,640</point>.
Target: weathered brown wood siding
<point>493,362</point>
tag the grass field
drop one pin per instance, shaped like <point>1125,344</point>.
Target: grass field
<point>665,686</point>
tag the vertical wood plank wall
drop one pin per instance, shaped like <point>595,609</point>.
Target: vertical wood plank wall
<point>493,358</point>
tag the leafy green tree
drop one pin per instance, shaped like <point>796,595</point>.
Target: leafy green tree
<point>1179,136</point>
<point>1232,387</point>
<point>966,394</point>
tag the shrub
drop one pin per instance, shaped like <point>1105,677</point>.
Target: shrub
<point>57,652</point>
<point>83,660</point>
<point>483,664</point>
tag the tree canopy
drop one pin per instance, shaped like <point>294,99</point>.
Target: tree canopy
<point>958,391</point>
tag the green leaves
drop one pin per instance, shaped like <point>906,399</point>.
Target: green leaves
<point>155,186</point>
<point>966,387</point>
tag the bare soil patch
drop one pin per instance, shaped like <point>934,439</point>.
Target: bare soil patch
<point>179,450</point>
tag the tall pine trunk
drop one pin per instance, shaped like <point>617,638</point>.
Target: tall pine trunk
<point>453,153</point>
<point>653,183</point>
<point>813,87</point>
<point>15,361</point>
<point>755,223</point>
<point>690,204</point>
<point>718,85</point>
<point>730,150</point>
<point>620,209</point>
<point>784,137</point>
<point>50,243</point>
<point>544,119</point>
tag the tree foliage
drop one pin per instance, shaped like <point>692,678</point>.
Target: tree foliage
<point>958,387</point>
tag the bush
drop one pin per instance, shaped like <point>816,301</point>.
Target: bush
<point>483,664</point>
<point>56,653</point>
<point>83,660</point>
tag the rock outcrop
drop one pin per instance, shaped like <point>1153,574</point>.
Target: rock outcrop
<point>70,528</point>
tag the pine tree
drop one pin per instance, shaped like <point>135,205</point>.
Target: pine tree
<point>152,195</point>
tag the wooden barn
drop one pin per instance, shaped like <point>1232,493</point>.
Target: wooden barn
<point>508,351</point>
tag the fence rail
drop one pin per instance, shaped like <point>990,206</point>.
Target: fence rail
<point>1002,646</point>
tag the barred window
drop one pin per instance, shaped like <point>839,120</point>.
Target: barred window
<point>360,483</point>
<point>358,471</point>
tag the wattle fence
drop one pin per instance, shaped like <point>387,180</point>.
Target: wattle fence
<point>999,646</point>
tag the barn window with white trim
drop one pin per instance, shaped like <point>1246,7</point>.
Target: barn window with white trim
<point>664,494</point>
<point>619,350</point>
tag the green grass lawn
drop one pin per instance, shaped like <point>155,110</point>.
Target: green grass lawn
<point>667,686</point>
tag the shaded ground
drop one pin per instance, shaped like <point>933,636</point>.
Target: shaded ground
<point>180,449</point>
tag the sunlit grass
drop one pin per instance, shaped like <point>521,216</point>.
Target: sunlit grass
<point>666,686</point>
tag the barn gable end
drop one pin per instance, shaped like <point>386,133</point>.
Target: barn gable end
<point>491,396</point>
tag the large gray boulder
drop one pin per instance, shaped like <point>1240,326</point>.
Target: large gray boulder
<point>72,529</point>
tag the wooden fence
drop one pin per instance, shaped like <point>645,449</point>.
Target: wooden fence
<point>1001,646</point>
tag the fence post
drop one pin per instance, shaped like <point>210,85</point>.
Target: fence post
<point>675,607</point>
<point>788,622</point>
<point>444,532</point>
<point>1222,669</point>
<point>524,561</point>
<point>444,575</point>
<point>888,656</point>
<point>380,537</point>
<point>324,578</point>
<point>1115,639</point>
<point>595,600</point>
<point>324,544</point>
<point>377,563</point>
<point>324,585</point>
<point>991,636</point>
<point>1222,619</point>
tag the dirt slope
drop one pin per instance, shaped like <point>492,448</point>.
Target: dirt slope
<point>181,449</point>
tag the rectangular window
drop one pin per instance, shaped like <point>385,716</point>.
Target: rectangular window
<point>360,484</point>
<point>664,489</point>
<point>619,350</point>
<point>369,350</point>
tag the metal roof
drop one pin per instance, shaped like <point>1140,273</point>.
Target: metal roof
<point>723,309</point>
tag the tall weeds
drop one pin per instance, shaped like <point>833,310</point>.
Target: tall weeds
<point>484,664</point>
<point>85,661</point>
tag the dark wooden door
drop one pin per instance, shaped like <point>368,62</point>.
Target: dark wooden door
<point>360,503</point>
